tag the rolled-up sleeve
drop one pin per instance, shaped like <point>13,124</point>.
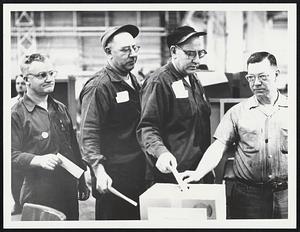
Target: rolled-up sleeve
<point>20,160</point>
<point>94,109</point>
<point>153,114</point>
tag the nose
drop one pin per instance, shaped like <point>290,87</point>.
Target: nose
<point>257,81</point>
<point>132,52</point>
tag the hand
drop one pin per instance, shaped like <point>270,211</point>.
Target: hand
<point>104,181</point>
<point>49,161</point>
<point>190,176</point>
<point>83,190</point>
<point>165,162</point>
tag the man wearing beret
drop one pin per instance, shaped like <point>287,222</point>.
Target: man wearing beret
<point>174,129</point>
<point>110,113</point>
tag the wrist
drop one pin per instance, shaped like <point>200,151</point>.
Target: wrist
<point>35,162</point>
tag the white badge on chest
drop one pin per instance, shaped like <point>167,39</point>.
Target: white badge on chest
<point>179,90</point>
<point>122,96</point>
<point>45,135</point>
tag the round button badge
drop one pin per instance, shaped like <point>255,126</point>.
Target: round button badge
<point>45,135</point>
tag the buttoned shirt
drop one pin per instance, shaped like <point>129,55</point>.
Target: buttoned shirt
<point>260,139</point>
<point>110,112</point>
<point>175,117</point>
<point>36,131</point>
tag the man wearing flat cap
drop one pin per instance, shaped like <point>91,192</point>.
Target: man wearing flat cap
<point>110,109</point>
<point>174,129</point>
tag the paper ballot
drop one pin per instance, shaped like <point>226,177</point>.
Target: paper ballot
<point>179,90</point>
<point>122,96</point>
<point>70,166</point>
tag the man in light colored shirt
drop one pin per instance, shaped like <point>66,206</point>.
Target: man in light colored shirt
<point>257,128</point>
<point>20,88</point>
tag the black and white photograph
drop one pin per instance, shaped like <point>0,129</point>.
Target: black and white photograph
<point>149,115</point>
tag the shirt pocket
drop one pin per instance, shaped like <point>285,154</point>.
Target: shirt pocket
<point>183,108</point>
<point>249,140</point>
<point>284,140</point>
<point>124,112</point>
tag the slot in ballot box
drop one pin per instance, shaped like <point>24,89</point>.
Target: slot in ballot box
<point>167,202</point>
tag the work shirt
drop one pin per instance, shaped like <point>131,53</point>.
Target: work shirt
<point>109,117</point>
<point>36,131</point>
<point>261,140</point>
<point>175,117</point>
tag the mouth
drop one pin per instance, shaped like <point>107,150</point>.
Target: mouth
<point>48,85</point>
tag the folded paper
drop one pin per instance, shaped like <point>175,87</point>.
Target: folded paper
<point>70,166</point>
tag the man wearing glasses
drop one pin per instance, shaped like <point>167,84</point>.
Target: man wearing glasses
<point>257,127</point>
<point>174,129</point>
<point>41,127</point>
<point>110,109</point>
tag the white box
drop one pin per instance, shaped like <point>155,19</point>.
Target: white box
<point>204,196</point>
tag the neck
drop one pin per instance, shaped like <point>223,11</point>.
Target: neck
<point>177,69</point>
<point>268,99</point>
<point>20,95</point>
<point>123,74</point>
<point>37,98</point>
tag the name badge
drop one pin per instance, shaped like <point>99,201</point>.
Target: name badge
<point>122,96</point>
<point>179,90</point>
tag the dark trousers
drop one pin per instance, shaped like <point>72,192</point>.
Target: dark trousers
<point>257,202</point>
<point>129,179</point>
<point>17,179</point>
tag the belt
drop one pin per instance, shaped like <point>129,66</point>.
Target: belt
<point>275,185</point>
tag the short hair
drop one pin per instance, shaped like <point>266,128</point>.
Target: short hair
<point>19,75</point>
<point>28,59</point>
<point>260,56</point>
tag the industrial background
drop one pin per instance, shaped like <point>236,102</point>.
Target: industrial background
<point>72,40</point>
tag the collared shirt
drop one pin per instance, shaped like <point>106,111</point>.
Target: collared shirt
<point>175,117</point>
<point>14,100</point>
<point>261,140</point>
<point>110,111</point>
<point>36,131</point>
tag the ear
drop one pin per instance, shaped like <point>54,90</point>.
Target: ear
<point>107,50</point>
<point>277,72</point>
<point>173,50</point>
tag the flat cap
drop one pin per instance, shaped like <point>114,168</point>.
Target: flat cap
<point>133,30</point>
<point>182,34</point>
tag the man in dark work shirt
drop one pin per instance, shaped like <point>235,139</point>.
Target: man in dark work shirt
<point>41,128</point>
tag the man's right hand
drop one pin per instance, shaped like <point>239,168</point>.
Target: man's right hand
<point>165,162</point>
<point>48,162</point>
<point>104,181</point>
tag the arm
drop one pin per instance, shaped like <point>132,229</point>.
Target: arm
<point>149,131</point>
<point>94,109</point>
<point>209,161</point>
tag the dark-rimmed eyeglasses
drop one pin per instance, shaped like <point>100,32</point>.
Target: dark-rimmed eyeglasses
<point>261,77</point>
<point>43,75</point>
<point>191,54</point>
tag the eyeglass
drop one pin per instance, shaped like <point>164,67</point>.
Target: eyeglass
<point>260,77</point>
<point>191,54</point>
<point>128,49</point>
<point>43,75</point>
<point>34,57</point>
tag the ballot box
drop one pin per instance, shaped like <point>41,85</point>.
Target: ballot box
<point>167,202</point>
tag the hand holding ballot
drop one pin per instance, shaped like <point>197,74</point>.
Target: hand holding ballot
<point>190,176</point>
<point>104,181</point>
<point>48,161</point>
<point>165,162</point>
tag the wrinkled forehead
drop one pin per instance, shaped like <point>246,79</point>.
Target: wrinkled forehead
<point>36,67</point>
<point>122,40</point>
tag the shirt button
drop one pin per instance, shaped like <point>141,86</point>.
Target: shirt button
<point>270,176</point>
<point>270,156</point>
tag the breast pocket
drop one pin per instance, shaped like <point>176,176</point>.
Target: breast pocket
<point>284,140</point>
<point>124,112</point>
<point>249,140</point>
<point>183,108</point>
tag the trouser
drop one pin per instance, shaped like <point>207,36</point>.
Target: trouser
<point>56,189</point>
<point>129,179</point>
<point>16,185</point>
<point>257,202</point>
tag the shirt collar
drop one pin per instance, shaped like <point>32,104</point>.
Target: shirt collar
<point>116,77</point>
<point>281,101</point>
<point>30,104</point>
<point>178,75</point>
